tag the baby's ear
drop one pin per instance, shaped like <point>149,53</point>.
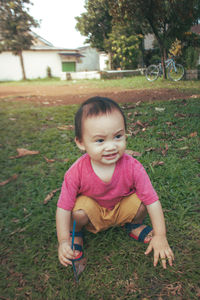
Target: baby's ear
<point>79,144</point>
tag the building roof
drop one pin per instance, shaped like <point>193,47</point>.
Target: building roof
<point>40,43</point>
<point>71,54</point>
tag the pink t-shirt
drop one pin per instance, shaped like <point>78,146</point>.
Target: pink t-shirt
<point>129,177</point>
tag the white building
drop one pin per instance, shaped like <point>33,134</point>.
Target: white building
<point>43,55</point>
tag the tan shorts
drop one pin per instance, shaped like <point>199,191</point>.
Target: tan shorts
<point>102,218</point>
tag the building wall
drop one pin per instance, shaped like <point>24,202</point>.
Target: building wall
<point>89,61</point>
<point>35,63</point>
<point>148,41</point>
<point>10,67</point>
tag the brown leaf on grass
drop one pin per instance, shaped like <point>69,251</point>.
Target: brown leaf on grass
<point>133,153</point>
<point>174,289</point>
<point>55,159</point>
<point>23,152</point>
<point>49,160</point>
<point>137,113</point>
<point>50,195</point>
<point>164,151</point>
<point>139,123</point>
<point>66,127</point>
<point>169,123</point>
<point>130,286</point>
<point>9,179</point>
<point>150,149</point>
<point>157,163</point>
<point>193,134</point>
<point>138,103</point>
<point>135,132</point>
<point>180,115</point>
<point>65,159</point>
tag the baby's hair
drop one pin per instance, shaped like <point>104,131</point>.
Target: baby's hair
<point>94,106</point>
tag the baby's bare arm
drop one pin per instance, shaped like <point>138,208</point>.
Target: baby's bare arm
<point>65,253</point>
<point>159,241</point>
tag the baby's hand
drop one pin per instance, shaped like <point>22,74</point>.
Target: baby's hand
<point>161,249</point>
<point>65,253</point>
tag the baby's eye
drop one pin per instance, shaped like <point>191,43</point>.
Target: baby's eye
<point>118,136</point>
<point>99,141</point>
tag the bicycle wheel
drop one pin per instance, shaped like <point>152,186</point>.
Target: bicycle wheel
<point>176,73</point>
<point>152,72</point>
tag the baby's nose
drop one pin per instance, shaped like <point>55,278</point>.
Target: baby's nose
<point>110,146</point>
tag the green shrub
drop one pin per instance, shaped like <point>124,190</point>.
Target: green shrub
<point>191,57</point>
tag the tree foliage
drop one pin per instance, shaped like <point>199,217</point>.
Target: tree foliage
<point>125,47</point>
<point>168,20</point>
<point>95,23</point>
<point>122,42</point>
<point>15,27</point>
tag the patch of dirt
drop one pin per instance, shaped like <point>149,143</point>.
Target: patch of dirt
<point>55,95</point>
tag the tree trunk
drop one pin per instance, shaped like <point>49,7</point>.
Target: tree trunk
<point>22,65</point>
<point>163,58</point>
<point>109,61</point>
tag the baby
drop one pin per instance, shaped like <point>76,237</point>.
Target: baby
<point>106,187</point>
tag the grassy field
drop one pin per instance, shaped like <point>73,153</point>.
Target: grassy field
<point>167,137</point>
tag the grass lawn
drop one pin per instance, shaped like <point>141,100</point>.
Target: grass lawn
<point>167,137</point>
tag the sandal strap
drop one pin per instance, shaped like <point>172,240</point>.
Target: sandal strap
<point>144,233</point>
<point>77,234</point>
<point>130,226</point>
<point>80,249</point>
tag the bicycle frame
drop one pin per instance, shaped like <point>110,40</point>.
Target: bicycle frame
<point>170,62</point>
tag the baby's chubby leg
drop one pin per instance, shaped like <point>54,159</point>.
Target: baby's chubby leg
<point>138,219</point>
<point>81,220</point>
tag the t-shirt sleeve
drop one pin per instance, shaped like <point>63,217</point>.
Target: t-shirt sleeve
<point>143,185</point>
<point>69,189</point>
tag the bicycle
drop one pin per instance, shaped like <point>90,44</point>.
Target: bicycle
<point>175,71</point>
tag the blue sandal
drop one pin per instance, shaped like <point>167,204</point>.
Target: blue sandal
<point>77,246</point>
<point>143,234</point>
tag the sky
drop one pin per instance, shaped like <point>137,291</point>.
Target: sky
<point>58,21</point>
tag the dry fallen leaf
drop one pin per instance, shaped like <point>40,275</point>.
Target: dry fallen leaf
<point>169,123</point>
<point>65,159</point>
<point>23,152</point>
<point>180,115</point>
<point>49,160</point>
<point>50,196</point>
<point>66,127</point>
<point>157,163</point>
<point>164,151</point>
<point>9,179</point>
<point>150,149</point>
<point>55,159</point>
<point>139,123</point>
<point>193,134</point>
<point>133,153</point>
